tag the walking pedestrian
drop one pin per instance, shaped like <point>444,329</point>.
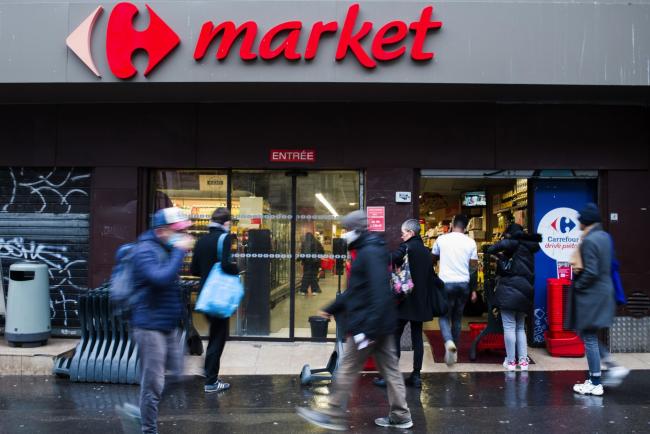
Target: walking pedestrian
<point>310,249</point>
<point>415,308</point>
<point>157,313</point>
<point>514,290</point>
<point>371,316</point>
<point>204,257</point>
<point>593,301</point>
<point>458,260</point>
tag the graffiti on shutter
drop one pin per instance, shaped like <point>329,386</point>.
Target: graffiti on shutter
<point>44,218</point>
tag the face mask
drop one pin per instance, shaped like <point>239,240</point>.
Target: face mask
<point>174,238</point>
<point>350,237</point>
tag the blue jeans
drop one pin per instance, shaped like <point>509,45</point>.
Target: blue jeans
<point>595,352</point>
<point>450,324</point>
<point>514,334</point>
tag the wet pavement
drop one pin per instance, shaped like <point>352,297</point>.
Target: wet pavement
<point>536,402</point>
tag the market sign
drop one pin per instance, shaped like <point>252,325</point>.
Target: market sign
<point>292,156</point>
<point>280,41</point>
<point>376,218</point>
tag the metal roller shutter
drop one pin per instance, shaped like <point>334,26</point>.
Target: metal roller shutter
<point>44,217</point>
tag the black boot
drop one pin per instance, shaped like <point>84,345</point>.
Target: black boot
<point>414,380</point>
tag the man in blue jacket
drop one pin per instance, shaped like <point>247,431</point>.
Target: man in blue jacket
<point>158,311</point>
<point>370,321</point>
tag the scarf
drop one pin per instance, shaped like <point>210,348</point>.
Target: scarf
<point>576,257</point>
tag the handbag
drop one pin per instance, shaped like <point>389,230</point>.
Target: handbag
<point>438,296</point>
<point>401,280</point>
<point>222,292</point>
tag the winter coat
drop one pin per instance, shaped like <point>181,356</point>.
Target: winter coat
<point>311,246</point>
<point>156,269</point>
<point>416,306</point>
<point>515,286</point>
<point>593,303</point>
<point>368,304</point>
<point>205,255</point>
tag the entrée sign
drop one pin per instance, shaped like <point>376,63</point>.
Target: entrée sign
<point>293,156</point>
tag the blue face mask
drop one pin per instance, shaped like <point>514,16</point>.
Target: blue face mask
<point>174,238</point>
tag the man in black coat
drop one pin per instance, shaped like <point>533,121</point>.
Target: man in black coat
<point>203,259</point>
<point>370,323</point>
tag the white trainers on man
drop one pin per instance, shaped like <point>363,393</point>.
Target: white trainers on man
<point>451,353</point>
<point>588,388</point>
<point>614,376</point>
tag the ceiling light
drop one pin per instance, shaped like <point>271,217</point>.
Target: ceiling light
<point>326,204</point>
<point>352,203</point>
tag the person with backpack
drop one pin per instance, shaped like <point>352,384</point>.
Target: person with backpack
<point>370,320</point>
<point>204,257</point>
<point>157,309</point>
<point>593,303</point>
<point>514,291</point>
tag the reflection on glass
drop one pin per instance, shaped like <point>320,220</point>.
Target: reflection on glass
<point>198,193</point>
<point>322,198</point>
<point>261,208</point>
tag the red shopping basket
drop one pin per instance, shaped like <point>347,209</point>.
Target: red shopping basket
<point>491,341</point>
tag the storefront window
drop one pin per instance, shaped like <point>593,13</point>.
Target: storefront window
<point>199,193</point>
<point>262,204</point>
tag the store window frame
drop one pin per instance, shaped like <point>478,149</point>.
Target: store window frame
<point>147,186</point>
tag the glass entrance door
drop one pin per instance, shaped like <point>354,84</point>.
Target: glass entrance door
<point>288,231</point>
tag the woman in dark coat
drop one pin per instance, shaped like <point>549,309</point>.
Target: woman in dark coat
<point>415,308</point>
<point>593,302</point>
<point>514,290</point>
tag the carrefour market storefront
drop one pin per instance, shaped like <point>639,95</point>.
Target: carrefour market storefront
<point>294,113</point>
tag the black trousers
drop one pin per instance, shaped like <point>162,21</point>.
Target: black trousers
<point>218,334</point>
<point>310,277</point>
<point>416,341</point>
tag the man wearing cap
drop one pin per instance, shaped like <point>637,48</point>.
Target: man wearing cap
<point>593,301</point>
<point>370,321</point>
<point>156,316</point>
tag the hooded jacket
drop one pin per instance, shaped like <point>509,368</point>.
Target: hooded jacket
<point>368,303</point>
<point>156,269</point>
<point>515,287</point>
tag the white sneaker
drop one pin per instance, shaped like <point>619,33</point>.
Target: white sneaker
<point>587,388</point>
<point>523,363</point>
<point>613,377</point>
<point>451,353</point>
<point>510,366</point>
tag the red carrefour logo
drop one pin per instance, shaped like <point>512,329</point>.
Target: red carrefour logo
<point>122,40</point>
<point>159,40</point>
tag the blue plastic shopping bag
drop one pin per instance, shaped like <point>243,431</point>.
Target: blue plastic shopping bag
<point>222,292</point>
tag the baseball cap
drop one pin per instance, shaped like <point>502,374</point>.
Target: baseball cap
<point>173,217</point>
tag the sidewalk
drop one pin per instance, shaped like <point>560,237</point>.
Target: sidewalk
<point>288,358</point>
<point>277,358</point>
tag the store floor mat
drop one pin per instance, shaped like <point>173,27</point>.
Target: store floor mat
<point>484,356</point>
